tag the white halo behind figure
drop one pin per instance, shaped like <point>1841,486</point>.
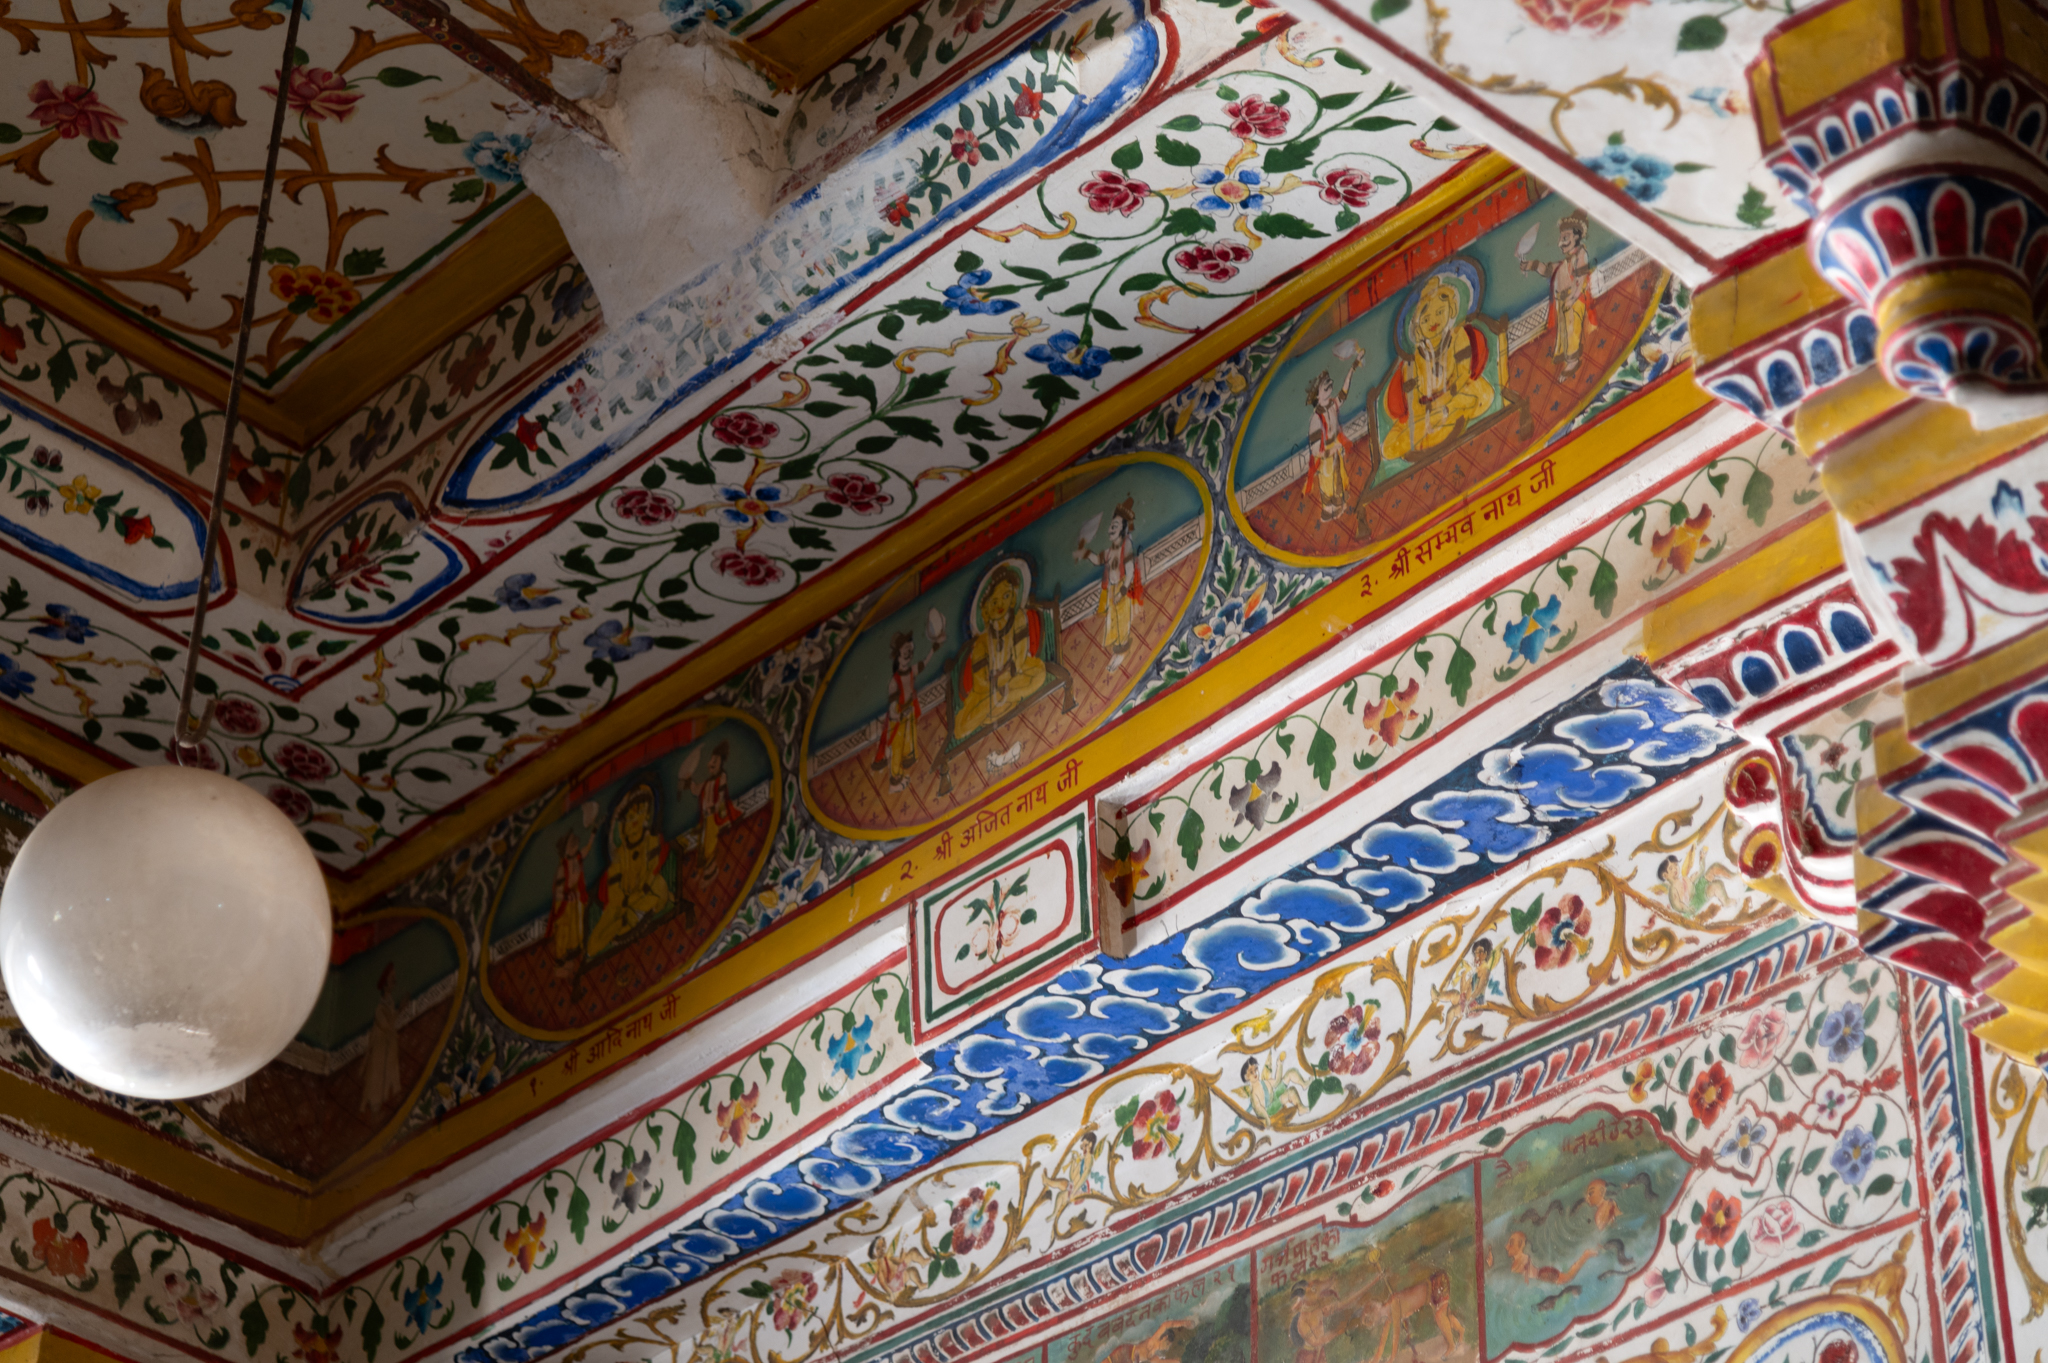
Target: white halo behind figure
<point>164,932</point>
<point>1023,571</point>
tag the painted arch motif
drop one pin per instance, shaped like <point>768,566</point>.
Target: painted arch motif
<point>1013,642</point>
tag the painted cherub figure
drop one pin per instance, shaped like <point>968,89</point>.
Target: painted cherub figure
<point>1075,1176</point>
<point>1329,449</point>
<point>1694,885</point>
<point>1123,584</point>
<point>714,805</point>
<point>1463,994</point>
<point>1571,292</point>
<point>1271,1094</point>
<point>568,912</point>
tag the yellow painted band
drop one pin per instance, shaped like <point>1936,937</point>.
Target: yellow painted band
<point>809,41</point>
<point>1929,700</point>
<point>1952,289</point>
<point>1905,449</point>
<point>1775,293</point>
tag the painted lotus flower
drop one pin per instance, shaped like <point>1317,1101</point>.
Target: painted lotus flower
<point>1250,801</point>
<point>1527,637</point>
<point>302,762</point>
<point>1065,354</point>
<point>857,492</point>
<point>191,1299</point>
<point>74,112</point>
<point>1253,116</point>
<point>1709,1093</point>
<point>238,715</point>
<point>1775,1227</point>
<point>644,506</point>
<point>734,1117</point>
<point>1153,1129</point>
<point>1565,931</point>
<point>316,1346</point>
<point>613,642</point>
<point>421,1301</point>
<point>1718,1221</point>
<point>751,570</point>
<point>316,95</point>
<point>974,1220</point>
<point>1679,546</point>
<point>497,156</point>
<point>290,801</point>
<point>323,295</point>
<point>1639,175</point>
<point>1110,191</point>
<point>743,430</point>
<point>966,297</point>
<point>1583,16</point>
<point>525,1243</point>
<point>1216,261</point>
<point>1761,1038</point>
<point>63,624</point>
<point>1238,191</point>
<point>64,1255</point>
<point>1853,1155</point>
<point>629,1182</point>
<point>1353,1039</point>
<point>518,592</point>
<point>847,1050</point>
<point>1347,186</point>
<point>791,1295</point>
<point>1750,1138</point>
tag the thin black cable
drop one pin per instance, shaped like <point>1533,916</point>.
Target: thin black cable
<point>186,736</point>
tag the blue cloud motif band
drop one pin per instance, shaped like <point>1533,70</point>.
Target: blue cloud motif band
<point>1609,745</point>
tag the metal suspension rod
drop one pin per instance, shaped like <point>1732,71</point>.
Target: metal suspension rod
<point>186,736</point>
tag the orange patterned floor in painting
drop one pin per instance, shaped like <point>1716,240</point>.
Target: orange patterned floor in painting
<point>1290,519</point>
<point>855,793</point>
<point>309,1123</point>
<point>532,989</point>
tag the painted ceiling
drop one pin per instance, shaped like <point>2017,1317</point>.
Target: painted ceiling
<point>1130,734</point>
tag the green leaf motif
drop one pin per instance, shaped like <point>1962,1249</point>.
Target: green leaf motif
<point>126,1275</point>
<point>1322,756</point>
<point>793,1078</point>
<point>1702,33</point>
<point>1383,10</point>
<point>685,1148</point>
<point>472,1283</point>
<point>397,77</point>
<point>1175,152</point>
<point>1757,495</point>
<point>1604,587</point>
<point>442,132</point>
<point>256,1325</point>
<point>1286,225</point>
<point>103,151</point>
<point>1754,210</point>
<point>1190,837</point>
<point>579,1213</point>
<point>373,1331</point>
<point>1458,675</point>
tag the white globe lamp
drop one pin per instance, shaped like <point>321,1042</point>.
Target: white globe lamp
<point>164,932</point>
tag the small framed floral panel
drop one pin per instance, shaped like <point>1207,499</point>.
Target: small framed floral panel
<point>1004,924</point>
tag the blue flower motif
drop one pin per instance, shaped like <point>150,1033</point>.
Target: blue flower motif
<point>1748,1314</point>
<point>1238,192</point>
<point>1842,1032</point>
<point>1750,1137</point>
<point>64,625</point>
<point>496,156</point>
<point>421,1301</point>
<point>1853,1156</point>
<point>966,296</point>
<point>1064,355</point>
<point>572,297</point>
<point>743,508</point>
<point>684,15</point>
<point>1637,174</point>
<point>108,210</point>
<point>1527,637</point>
<point>847,1051</point>
<point>610,643</point>
<point>16,681</point>
<point>518,593</point>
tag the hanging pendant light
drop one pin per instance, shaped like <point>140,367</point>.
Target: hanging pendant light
<point>164,931</point>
